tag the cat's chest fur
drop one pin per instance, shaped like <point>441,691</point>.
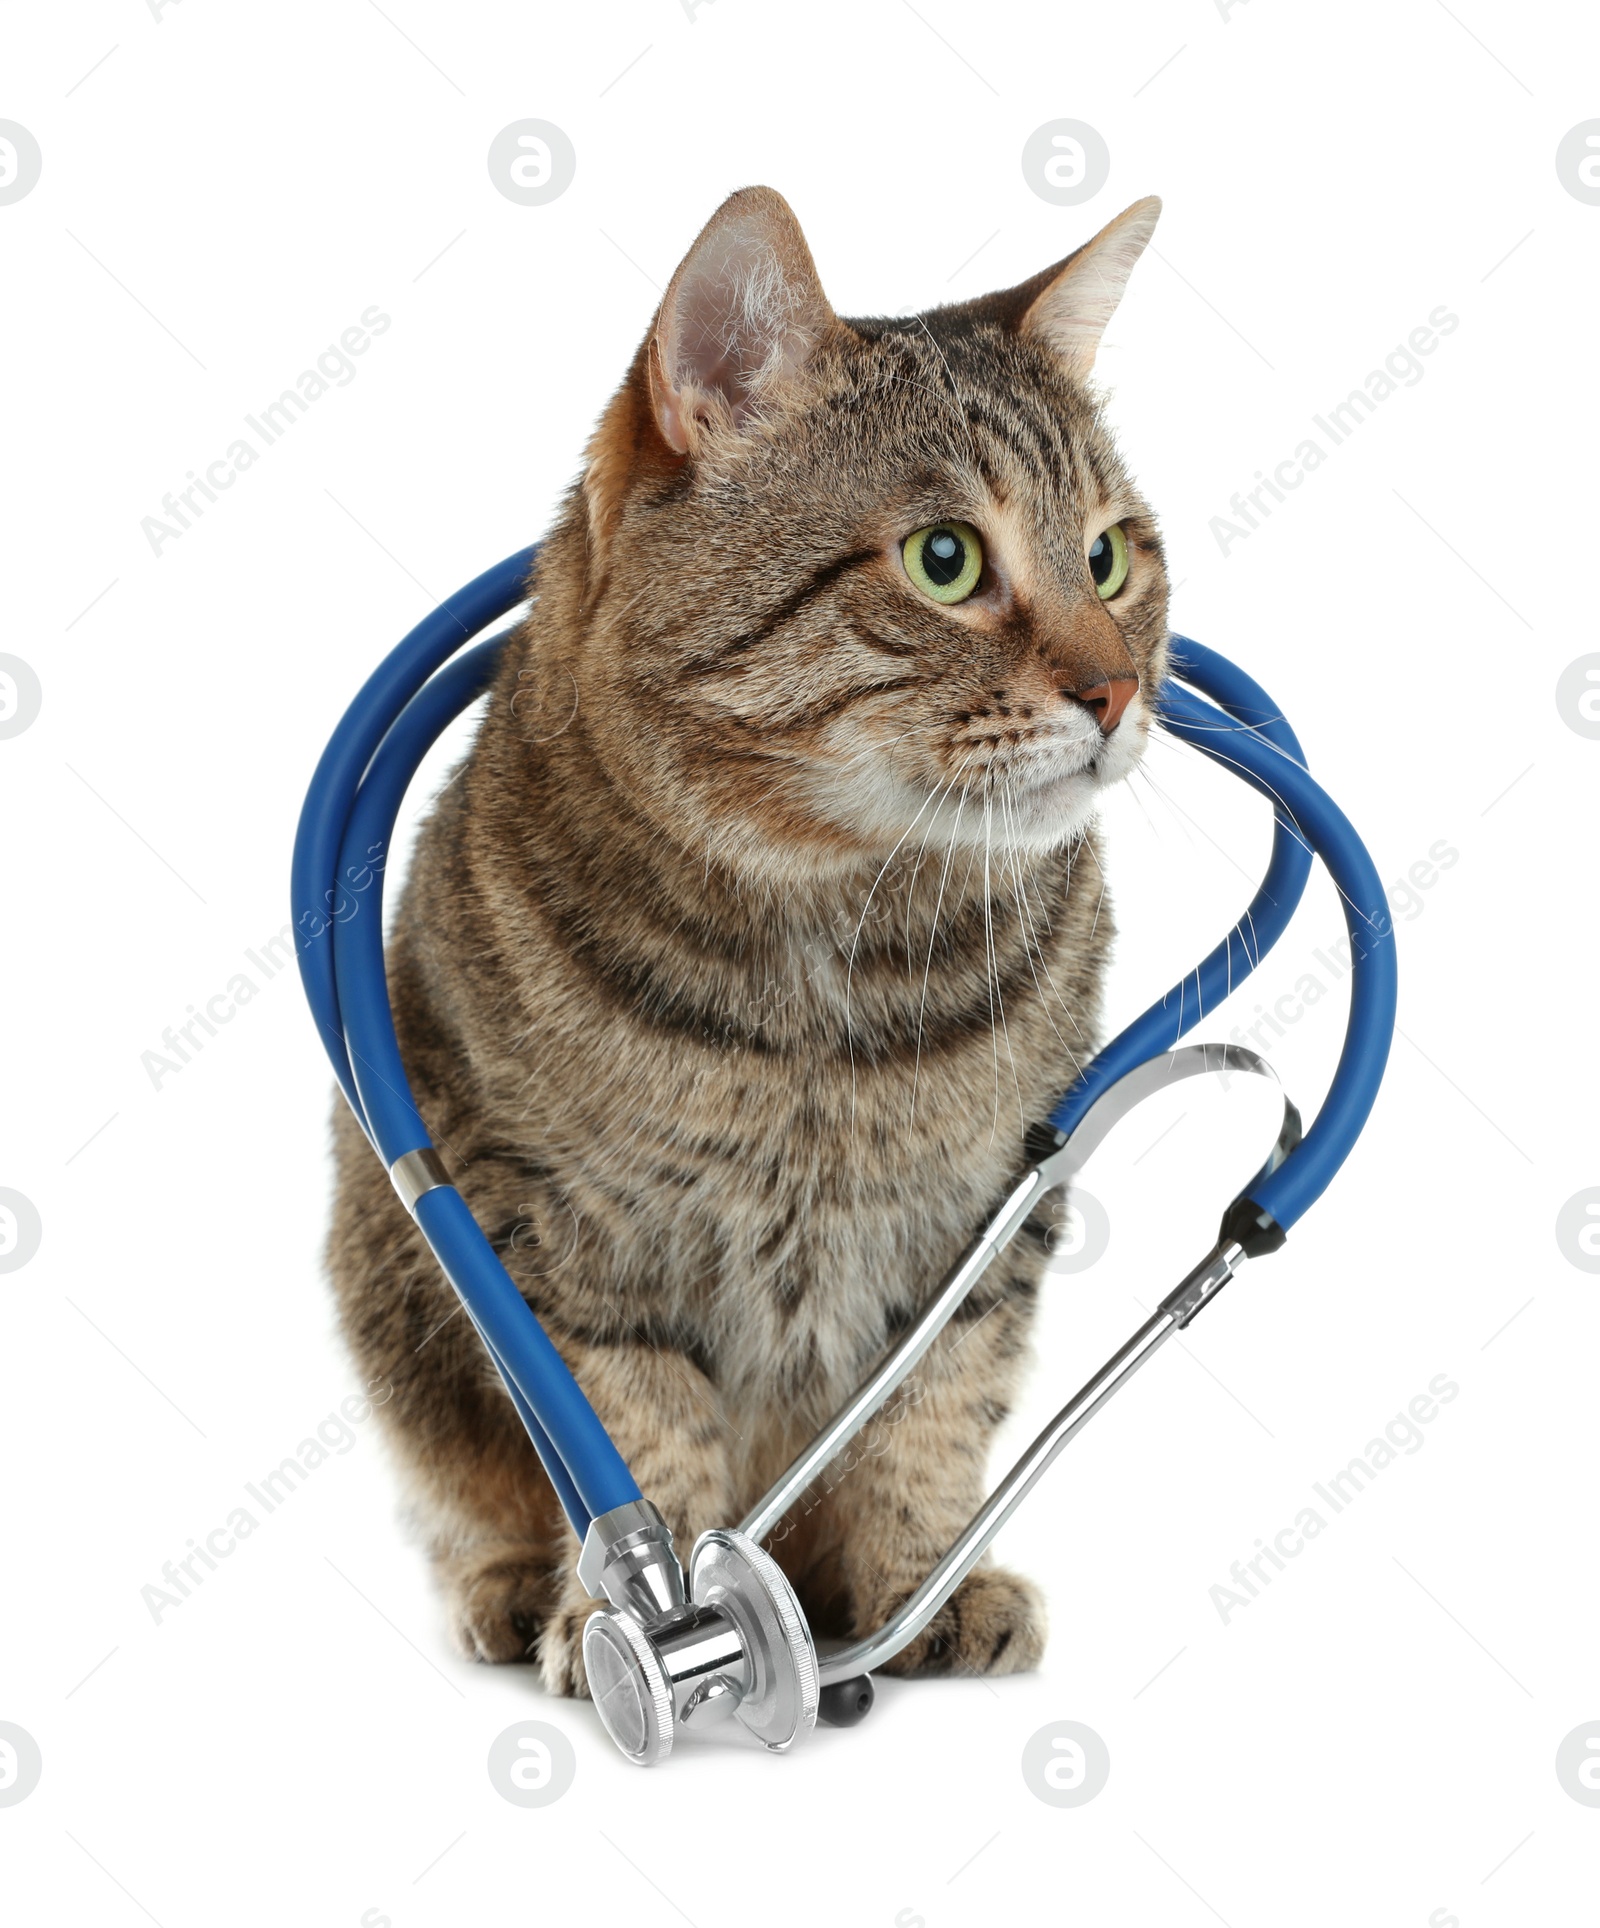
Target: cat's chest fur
<point>788,1207</point>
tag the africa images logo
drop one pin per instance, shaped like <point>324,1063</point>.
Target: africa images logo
<point>1402,368</point>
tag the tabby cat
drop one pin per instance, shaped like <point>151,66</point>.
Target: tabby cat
<point>763,916</point>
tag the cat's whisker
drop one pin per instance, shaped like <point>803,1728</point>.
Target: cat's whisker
<point>933,937</point>
<point>1087,844</point>
<point>997,1000</point>
<point>1185,821</point>
<point>1016,1081</point>
<point>916,868</point>
<point>991,984</point>
<point>1257,781</point>
<point>1027,928</point>
<point>855,941</point>
<point>1143,812</point>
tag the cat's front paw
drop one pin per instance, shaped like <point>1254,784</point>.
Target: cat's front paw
<point>499,1608</point>
<point>508,1610</point>
<point>994,1623</point>
<point>561,1651</point>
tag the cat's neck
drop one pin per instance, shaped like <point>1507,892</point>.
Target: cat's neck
<point>885,946</point>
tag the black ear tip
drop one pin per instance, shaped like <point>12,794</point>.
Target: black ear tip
<point>846,1702</point>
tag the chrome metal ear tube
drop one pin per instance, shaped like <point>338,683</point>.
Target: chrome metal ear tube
<point>1174,1312</point>
<point>731,1639</point>
<point>1196,1290</point>
<point>899,1364</point>
<point>1059,1168</point>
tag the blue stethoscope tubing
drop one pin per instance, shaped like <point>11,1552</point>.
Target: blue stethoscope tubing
<point>340,853</point>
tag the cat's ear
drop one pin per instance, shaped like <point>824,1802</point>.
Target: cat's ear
<point>740,318</point>
<point>1066,308</point>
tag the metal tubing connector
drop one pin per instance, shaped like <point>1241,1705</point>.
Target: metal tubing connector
<point>627,1557</point>
<point>416,1173</point>
<point>1203,1283</point>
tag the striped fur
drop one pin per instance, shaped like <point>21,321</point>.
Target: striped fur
<point>764,914</point>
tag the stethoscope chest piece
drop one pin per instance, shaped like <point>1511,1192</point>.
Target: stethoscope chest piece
<point>630,1687</point>
<point>738,1648</point>
<point>728,1571</point>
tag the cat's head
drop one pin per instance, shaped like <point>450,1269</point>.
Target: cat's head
<point>849,585</point>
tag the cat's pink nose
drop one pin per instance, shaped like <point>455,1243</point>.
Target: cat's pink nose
<point>1109,700</point>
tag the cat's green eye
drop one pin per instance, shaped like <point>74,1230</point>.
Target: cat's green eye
<point>1108,561</point>
<point>944,560</point>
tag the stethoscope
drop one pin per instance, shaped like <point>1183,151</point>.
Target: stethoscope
<point>728,1638</point>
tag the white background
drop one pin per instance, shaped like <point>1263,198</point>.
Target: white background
<point>1374,1737</point>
